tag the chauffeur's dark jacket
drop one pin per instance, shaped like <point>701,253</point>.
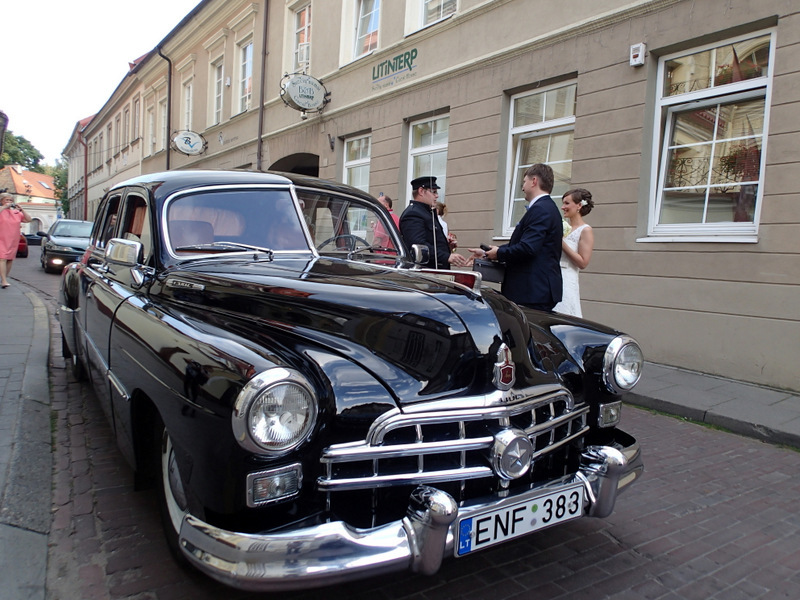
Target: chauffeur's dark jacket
<point>418,223</point>
<point>532,255</point>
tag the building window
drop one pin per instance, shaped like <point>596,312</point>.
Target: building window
<point>136,111</point>
<point>100,151</point>
<point>151,130</point>
<point>126,126</point>
<point>542,129</point>
<point>356,162</point>
<point>162,119</point>
<point>245,76</point>
<point>117,134</point>
<point>712,120</point>
<point>436,10</point>
<point>187,105</point>
<point>109,140</point>
<point>218,83</point>
<point>369,12</point>
<point>428,151</point>
<point>302,39</point>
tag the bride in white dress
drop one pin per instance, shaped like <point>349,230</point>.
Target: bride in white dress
<point>576,248</point>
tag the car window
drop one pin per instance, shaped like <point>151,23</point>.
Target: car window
<point>78,229</point>
<point>264,218</point>
<point>136,224</point>
<point>340,224</point>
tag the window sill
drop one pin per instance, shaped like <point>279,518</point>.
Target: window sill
<point>692,239</point>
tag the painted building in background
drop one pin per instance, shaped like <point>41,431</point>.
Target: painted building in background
<point>35,192</point>
<point>680,117</point>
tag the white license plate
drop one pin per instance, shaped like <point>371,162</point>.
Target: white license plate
<point>495,526</point>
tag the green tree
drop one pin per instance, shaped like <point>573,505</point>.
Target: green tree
<point>19,151</point>
<point>60,174</point>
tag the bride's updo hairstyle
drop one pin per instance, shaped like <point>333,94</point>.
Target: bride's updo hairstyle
<point>582,197</point>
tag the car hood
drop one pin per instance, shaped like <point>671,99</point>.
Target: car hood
<point>73,242</point>
<point>423,338</point>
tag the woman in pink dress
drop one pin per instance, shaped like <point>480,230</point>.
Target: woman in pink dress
<point>11,216</point>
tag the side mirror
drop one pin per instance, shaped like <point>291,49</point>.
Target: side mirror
<point>420,253</point>
<point>42,234</point>
<point>123,252</point>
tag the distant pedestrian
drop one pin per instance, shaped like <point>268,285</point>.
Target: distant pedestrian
<point>11,216</point>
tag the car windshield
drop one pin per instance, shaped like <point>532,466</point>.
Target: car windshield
<point>73,229</point>
<point>235,220</point>
<point>222,221</point>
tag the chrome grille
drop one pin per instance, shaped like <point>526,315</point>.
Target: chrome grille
<point>448,443</point>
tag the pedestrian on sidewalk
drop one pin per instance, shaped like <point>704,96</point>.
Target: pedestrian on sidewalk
<point>11,216</point>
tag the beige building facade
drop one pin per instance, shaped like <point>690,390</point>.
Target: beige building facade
<point>681,117</point>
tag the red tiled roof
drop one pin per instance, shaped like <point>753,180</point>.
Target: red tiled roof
<point>29,183</point>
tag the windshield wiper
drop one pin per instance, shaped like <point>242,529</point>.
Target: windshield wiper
<point>226,247</point>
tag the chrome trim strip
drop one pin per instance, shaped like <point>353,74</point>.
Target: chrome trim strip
<point>379,481</point>
<point>362,451</point>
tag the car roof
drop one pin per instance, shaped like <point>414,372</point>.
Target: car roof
<point>165,183</point>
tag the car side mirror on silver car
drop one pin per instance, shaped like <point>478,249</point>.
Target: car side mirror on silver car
<point>420,253</point>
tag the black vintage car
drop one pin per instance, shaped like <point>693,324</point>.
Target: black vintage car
<point>313,408</point>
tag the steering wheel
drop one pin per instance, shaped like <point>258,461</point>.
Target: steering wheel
<point>352,242</point>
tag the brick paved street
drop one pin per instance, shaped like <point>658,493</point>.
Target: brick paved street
<point>715,516</point>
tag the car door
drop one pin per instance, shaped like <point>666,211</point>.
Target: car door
<point>107,285</point>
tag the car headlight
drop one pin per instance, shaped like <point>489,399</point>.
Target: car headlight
<point>622,364</point>
<point>57,248</point>
<point>275,412</point>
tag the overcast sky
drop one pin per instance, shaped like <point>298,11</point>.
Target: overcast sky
<point>62,60</point>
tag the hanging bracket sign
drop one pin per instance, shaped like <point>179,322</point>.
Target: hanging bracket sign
<point>304,93</point>
<point>189,143</point>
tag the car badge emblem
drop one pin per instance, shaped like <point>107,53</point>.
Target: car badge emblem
<point>504,371</point>
<point>511,453</point>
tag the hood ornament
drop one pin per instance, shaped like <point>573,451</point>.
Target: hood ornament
<point>504,370</point>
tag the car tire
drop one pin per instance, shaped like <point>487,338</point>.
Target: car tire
<point>171,495</point>
<point>75,365</point>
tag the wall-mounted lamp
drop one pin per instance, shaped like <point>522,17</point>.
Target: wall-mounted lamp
<point>227,82</point>
<point>331,141</point>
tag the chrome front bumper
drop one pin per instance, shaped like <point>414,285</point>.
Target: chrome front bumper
<point>335,552</point>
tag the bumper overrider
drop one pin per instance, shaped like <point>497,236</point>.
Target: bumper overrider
<point>335,552</point>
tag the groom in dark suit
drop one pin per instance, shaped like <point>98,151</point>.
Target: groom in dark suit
<point>532,255</point>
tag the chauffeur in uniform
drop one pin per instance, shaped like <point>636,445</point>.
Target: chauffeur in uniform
<point>419,225</point>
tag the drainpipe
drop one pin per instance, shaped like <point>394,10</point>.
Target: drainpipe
<point>261,92</point>
<point>85,176</point>
<point>169,101</point>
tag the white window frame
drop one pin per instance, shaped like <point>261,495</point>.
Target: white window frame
<point>187,103</point>
<point>162,120</point>
<point>517,135</point>
<point>374,14</point>
<point>109,149</point>
<point>442,16</point>
<point>244,74</point>
<point>217,90</point>
<point>302,50</point>
<point>151,130</point>
<point>666,109</point>
<point>117,134</point>
<point>430,149</point>
<point>137,106</point>
<point>362,161</point>
<point>126,125</point>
